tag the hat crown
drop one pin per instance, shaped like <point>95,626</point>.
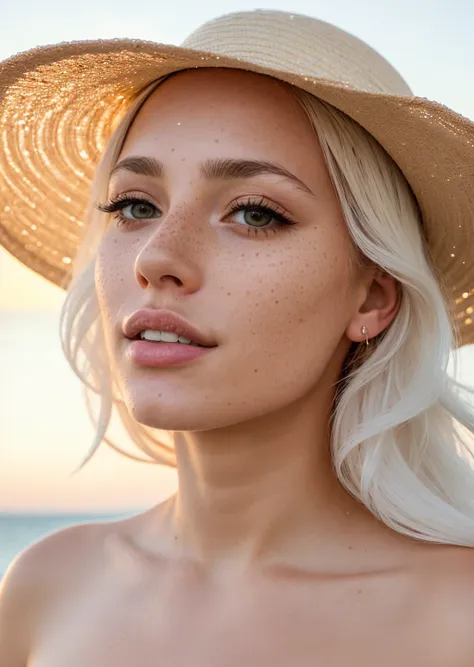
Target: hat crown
<point>301,45</point>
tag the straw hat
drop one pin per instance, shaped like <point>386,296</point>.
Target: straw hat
<point>59,105</point>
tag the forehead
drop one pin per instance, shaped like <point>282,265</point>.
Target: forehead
<point>218,88</point>
<point>222,110</point>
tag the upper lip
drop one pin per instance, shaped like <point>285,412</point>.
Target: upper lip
<point>163,320</point>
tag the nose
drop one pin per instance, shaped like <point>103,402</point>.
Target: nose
<point>168,260</point>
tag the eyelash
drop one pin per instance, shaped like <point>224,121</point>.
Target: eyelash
<point>280,218</point>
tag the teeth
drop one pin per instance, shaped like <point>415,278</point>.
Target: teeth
<point>168,337</point>
<point>149,334</point>
<point>164,336</point>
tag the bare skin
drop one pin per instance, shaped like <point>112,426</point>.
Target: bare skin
<point>261,558</point>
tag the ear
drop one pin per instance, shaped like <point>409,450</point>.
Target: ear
<point>379,308</point>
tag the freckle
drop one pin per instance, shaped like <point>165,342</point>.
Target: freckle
<point>183,159</point>
<point>277,302</point>
<point>172,150</point>
<point>216,141</point>
<point>255,370</point>
<point>229,294</point>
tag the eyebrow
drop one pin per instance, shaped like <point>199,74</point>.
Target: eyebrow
<point>213,169</point>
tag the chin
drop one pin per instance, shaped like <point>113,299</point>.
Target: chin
<point>169,413</point>
<point>192,413</point>
<point>175,419</point>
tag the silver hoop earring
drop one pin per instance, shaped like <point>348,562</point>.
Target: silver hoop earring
<point>365,332</point>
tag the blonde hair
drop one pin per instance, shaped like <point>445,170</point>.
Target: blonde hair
<point>401,425</point>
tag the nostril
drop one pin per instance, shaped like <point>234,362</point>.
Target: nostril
<point>174,279</point>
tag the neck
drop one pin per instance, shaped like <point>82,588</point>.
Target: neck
<point>260,492</point>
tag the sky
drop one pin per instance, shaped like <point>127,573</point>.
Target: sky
<point>44,428</point>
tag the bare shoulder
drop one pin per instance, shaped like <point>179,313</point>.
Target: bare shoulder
<point>38,577</point>
<point>453,568</point>
<point>445,601</point>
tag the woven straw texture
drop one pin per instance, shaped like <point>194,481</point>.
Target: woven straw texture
<point>59,105</point>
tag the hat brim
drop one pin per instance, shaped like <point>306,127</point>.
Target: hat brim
<point>60,104</point>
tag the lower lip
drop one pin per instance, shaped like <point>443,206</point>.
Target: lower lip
<point>144,353</point>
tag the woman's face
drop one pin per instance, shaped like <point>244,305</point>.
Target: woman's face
<point>275,298</point>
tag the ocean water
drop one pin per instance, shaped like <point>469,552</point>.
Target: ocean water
<point>18,531</point>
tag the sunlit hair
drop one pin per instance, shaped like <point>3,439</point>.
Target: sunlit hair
<point>402,427</point>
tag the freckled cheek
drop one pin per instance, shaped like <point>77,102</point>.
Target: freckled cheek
<point>291,299</point>
<point>114,272</point>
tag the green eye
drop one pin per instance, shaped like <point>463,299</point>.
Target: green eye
<point>259,215</point>
<point>256,218</point>
<point>139,211</point>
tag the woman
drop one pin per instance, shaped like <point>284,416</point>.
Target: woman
<point>269,300</point>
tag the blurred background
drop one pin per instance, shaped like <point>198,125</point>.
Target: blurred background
<point>44,427</point>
